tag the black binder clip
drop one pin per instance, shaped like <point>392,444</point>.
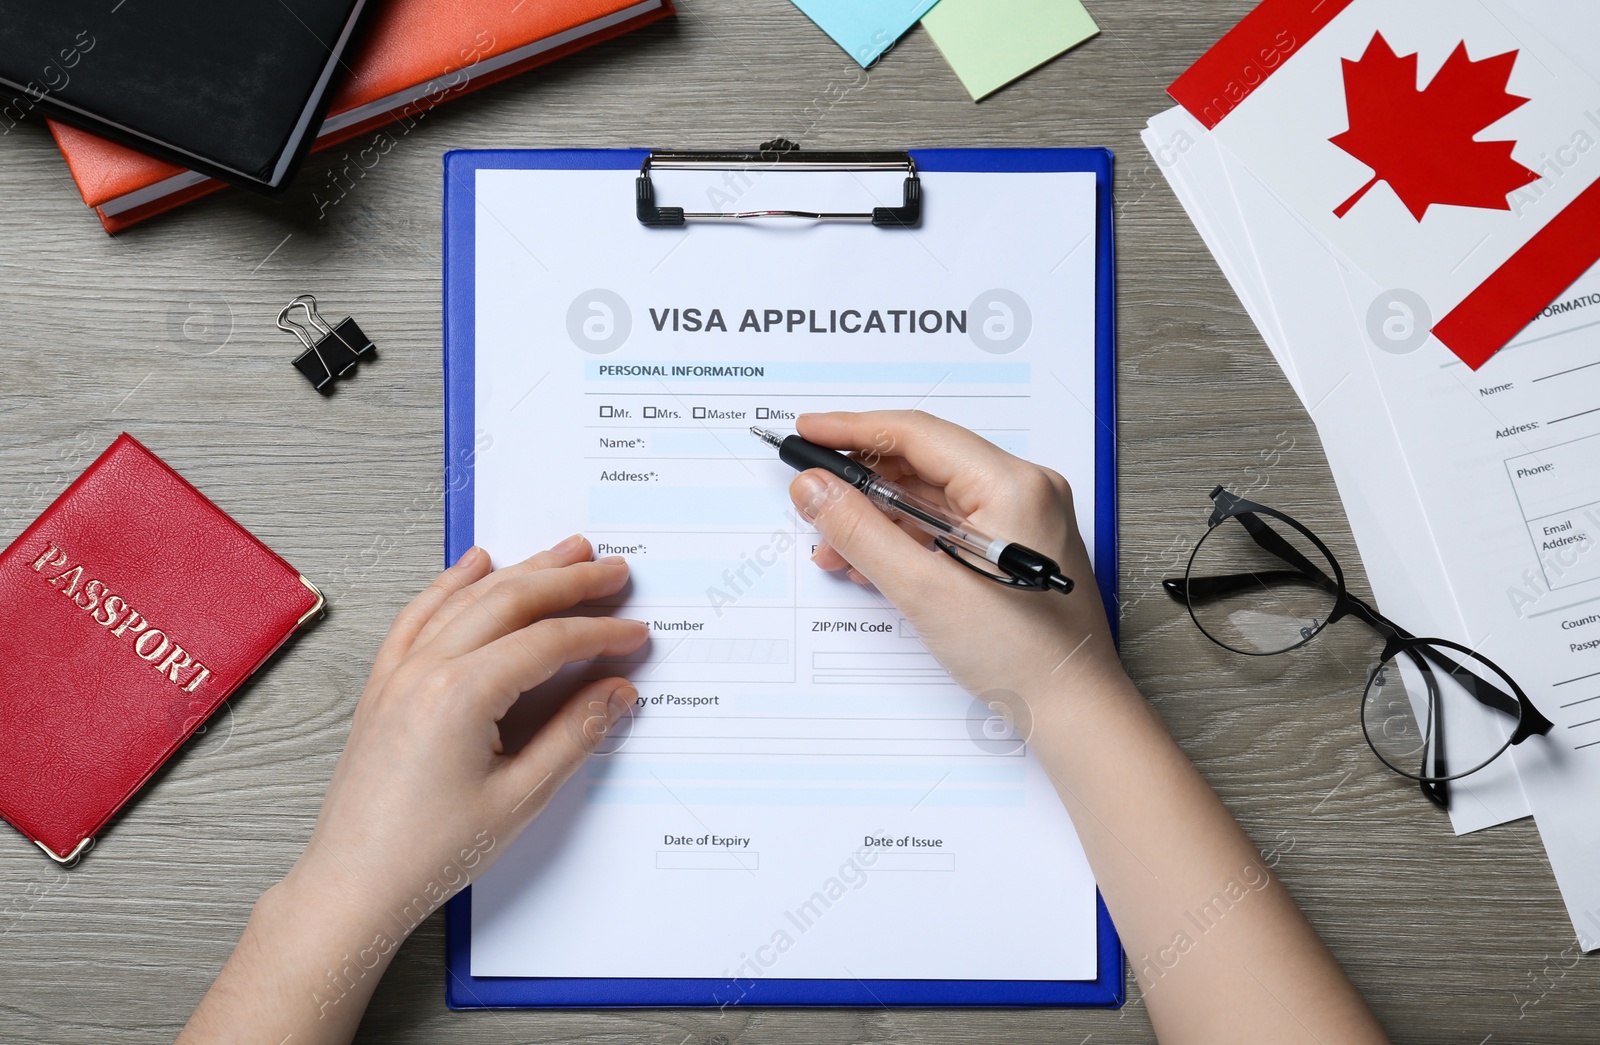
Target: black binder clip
<point>331,351</point>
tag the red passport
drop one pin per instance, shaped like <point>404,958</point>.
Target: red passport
<point>133,608</point>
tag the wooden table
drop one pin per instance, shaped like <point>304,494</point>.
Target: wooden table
<point>167,331</point>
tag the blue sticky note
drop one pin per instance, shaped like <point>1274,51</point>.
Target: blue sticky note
<point>865,28</point>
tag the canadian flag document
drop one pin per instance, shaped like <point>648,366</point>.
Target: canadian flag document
<point>1446,149</point>
<point>1473,493</point>
<point>801,791</point>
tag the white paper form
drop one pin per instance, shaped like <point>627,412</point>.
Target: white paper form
<point>1192,164</point>
<point>803,792</point>
<point>1291,285</point>
<point>1508,461</point>
<point>1500,457</point>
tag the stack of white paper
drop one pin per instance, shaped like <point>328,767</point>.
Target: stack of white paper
<point>1473,494</point>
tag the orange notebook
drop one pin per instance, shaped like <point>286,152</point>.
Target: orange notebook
<point>413,55</point>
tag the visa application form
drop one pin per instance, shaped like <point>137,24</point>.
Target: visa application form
<point>801,791</point>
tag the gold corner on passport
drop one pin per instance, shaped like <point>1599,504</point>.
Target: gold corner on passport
<point>316,607</point>
<point>72,857</point>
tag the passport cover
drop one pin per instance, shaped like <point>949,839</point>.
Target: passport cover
<point>413,55</point>
<point>131,608</point>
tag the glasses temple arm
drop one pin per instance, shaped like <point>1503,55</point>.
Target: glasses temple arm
<point>1436,790</point>
<point>1270,540</point>
<point>1531,720</point>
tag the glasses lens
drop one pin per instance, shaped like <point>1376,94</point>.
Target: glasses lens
<point>1258,585</point>
<point>1438,713</point>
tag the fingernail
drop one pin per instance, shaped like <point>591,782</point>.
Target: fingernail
<point>614,560</point>
<point>571,544</point>
<point>469,556</point>
<point>622,699</point>
<point>809,492</point>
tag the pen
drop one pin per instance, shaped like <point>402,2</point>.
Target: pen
<point>1023,567</point>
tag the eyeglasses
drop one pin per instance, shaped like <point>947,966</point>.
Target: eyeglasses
<point>1259,583</point>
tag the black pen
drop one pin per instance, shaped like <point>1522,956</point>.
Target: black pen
<point>1024,567</point>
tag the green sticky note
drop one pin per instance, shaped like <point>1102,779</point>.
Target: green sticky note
<point>989,43</point>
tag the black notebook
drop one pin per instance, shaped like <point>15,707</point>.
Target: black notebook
<point>232,88</point>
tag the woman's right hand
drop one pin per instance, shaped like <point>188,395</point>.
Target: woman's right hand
<point>996,642</point>
<point>1159,841</point>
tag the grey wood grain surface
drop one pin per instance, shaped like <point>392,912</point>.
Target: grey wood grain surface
<point>167,331</point>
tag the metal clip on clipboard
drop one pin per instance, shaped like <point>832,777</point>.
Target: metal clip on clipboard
<point>778,155</point>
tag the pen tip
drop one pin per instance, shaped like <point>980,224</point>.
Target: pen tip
<point>770,438</point>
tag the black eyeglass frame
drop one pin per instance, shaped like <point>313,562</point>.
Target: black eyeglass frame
<point>1397,641</point>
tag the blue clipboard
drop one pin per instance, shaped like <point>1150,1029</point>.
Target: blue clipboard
<point>465,991</point>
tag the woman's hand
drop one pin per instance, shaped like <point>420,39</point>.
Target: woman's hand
<point>996,642</point>
<point>1159,841</point>
<point>425,796</point>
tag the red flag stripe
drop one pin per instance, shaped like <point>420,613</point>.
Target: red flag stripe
<point>1517,291</point>
<point>1252,51</point>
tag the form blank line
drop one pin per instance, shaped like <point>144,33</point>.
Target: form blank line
<point>791,736</point>
<point>1558,373</point>
<point>741,428</point>
<point>1575,703</point>
<point>654,716</point>
<point>885,860</point>
<point>809,395</point>
<point>1018,753</point>
<point>1569,417</point>
<point>882,680</point>
<point>707,860</point>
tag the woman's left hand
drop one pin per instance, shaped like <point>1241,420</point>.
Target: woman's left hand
<point>425,796</point>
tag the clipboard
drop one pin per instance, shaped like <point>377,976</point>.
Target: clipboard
<point>466,991</point>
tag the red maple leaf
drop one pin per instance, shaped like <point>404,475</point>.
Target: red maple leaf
<point>1421,141</point>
